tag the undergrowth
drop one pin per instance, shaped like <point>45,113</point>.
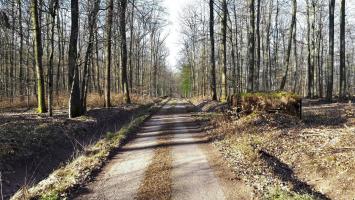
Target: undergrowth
<point>61,101</point>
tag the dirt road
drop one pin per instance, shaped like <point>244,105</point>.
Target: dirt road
<point>169,159</point>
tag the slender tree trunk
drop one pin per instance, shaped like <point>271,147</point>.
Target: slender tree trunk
<point>122,11</point>
<point>342,79</point>
<point>213,63</point>
<point>131,47</point>
<point>224,51</point>
<point>268,41</point>
<point>251,45</point>
<point>59,64</point>
<point>88,55</point>
<point>234,64</point>
<point>108,53</point>
<point>320,55</point>
<point>296,72</point>
<point>330,70</point>
<point>97,64</point>
<point>73,78</point>
<point>258,62</point>
<point>19,4</point>
<point>310,51</point>
<point>52,9</point>
<point>238,78</point>
<point>273,71</point>
<point>289,47</point>
<point>38,57</point>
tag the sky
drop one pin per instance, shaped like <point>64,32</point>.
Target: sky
<point>174,8</point>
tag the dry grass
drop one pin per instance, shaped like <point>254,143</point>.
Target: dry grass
<point>305,159</point>
<point>60,101</point>
<point>157,183</point>
<point>198,99</point>
<point>266,101</point>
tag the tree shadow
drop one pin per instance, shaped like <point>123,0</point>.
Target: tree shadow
<point>285,173</point>
<point>331,115</point>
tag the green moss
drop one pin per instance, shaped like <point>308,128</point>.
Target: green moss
<point>109,135</point>
<point>52,196</point>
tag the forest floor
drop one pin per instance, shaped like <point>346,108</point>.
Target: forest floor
<point>33,145</point>
<point>283,157</point>
<point>182,154</point>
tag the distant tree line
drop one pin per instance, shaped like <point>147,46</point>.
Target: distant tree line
<point>239,46</point>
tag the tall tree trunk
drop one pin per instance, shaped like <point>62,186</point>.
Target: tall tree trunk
<point>59,64</point>
<point>238,78</point>
<point>53,12</point>
<point>19,4</point>
<point>73,71</point>
<point>268,41</point>
<point>251,45</point>
<point>224,51</point>
<point>234,64</point>
<point>122,11</point>
<point>330,70</point>
<point>289,47</point>
<point>310,50</point>
<point>273,72</point>
<point>296,72</point>
<point>213,63</point>
<point>131,47</point>
<point>258,62</point>
<point>342,79</point>
<point>320,55</point>
<point>38,57</point>
<point>88,55</point>
<point>108,53</point>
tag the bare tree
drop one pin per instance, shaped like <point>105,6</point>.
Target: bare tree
<point>251,45</point>
<point>289,47</point>
<point>73,71</point>
<point>342,78</point>
<point>122,11</point>
<point>108,45</point>
<point>331,51</point>
<point>54,4</point>
<point>224,50</point>
<point>38,56</point>
<point>213,62</point>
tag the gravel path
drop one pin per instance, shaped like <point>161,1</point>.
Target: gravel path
<point>193,178</point>
<point>122,176</point>
<point>134,172</point>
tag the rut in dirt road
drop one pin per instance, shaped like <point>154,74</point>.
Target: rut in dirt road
<point>166,160</point>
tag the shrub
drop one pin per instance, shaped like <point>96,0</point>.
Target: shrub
<point>268,101</point>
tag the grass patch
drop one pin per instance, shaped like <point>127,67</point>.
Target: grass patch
<point>76,172</point>
<point>280,194</point>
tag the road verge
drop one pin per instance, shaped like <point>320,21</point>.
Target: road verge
<point>78,171</point>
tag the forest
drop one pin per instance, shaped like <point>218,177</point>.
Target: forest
<point>241,46</point>
<point>247,87</point>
